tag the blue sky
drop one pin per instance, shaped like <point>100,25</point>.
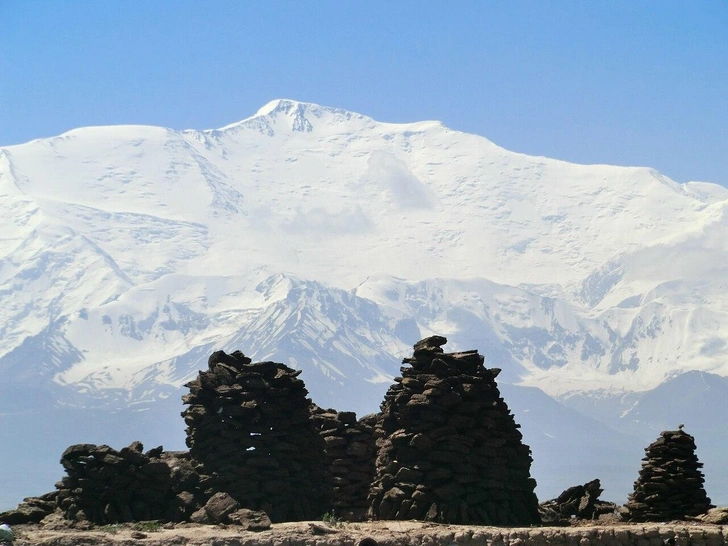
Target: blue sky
<point>618,82</point>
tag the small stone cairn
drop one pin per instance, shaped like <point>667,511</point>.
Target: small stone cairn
<point>670,483</point>
<point>448,447</point>
<point>105,486</point>
<point>250,428</point>
<point>350,453</point>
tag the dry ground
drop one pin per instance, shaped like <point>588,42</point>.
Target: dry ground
<point>387,533</point>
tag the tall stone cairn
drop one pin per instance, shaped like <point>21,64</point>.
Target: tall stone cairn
<point>249,426</point>
<point>670,483</point>
<point>448,447</point>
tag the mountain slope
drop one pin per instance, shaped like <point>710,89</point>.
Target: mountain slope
<point>330,241</point>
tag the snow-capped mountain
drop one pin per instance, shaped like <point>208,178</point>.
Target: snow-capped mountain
<point>329,241</point>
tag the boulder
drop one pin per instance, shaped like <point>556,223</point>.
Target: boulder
<point>251,520</point>
<point>220,506</point>
<point>715,516</point>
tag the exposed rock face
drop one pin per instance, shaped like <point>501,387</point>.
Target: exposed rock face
<point>448,447</point>
<point>670,483</point>
<point>249,426</point>
<point>108,486</point>
<point>580,501</point>
<point>350,453</point>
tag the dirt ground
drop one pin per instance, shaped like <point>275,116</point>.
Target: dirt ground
<point>385,533</point>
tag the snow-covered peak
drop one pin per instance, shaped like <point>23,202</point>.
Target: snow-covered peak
<point>299,185</point>
<point>274,106</point>
<point>294,116</point>
<point>290,116</point>
<point>335,198</point>
<point>332,242</point>
<point>293,107</point>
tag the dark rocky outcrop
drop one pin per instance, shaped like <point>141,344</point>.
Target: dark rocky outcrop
<point>448,447</point>
<point>249,426</point>
<point>670,483</point>
<point>580,502</point>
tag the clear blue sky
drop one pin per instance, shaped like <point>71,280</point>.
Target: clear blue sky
<point>621,81</point>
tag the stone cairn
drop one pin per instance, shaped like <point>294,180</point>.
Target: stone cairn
<point>249,426</point>
<point>350,453</point>
<point>670,483</point>
<point>448,447</point>
<point>105,486</point>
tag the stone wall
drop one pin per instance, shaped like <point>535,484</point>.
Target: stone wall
<point>249,425</point>
<point>350,453</point>
<point>448,447</point>
<point>103,485</point>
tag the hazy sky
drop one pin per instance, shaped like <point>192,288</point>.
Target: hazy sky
<point>620,82</point>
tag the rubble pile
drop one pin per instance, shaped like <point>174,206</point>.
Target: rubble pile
<point>105,486</point>
<point>448,447</point>
<point>350,453</point>
<point>31,510</point>
<point>249,426</point>
<point>670,483</point>
<point>580,501</point>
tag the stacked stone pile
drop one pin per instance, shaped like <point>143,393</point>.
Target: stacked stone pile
<point>670,483</point>
<point>186,484</point>
<point>249,426</point>
<point>31,510</point>
<point>104,486</point>
<point>448,447</point>
<point>350,454</point>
